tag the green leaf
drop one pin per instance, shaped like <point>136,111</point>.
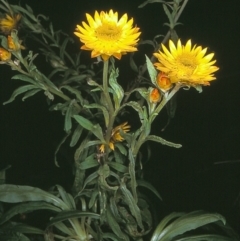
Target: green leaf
<point>133,64</point>
<point>6,236</point>
<point>25,78</point>
<point>184,223</point>
<point>118,92</point>
<point>89,180</point>
<point>150,1</point>
<point>74,91</point>
<point>151,70</point>
<point>89,162</point>
<point>133,182</point>
<point>24,228</point>
<point>68,116</point>
<point>65,215</point>
<point>58,148</point>
<point>93,198</point>
<point>76,135</point>
<point>169,15</point>
<point>14,194</point>
<point>114,225</point>
<point>30,93</point>
<point>138,108</point>
<point>121,148</point>
<point>162,141</point>
<point>149,186</point>
<point>210,237</point>
<point>135,211</point>
<point>118,167</point>
<point>107,236</point>
<point>65,229</point>
<point>19,91</point>
<point>66,197</point>
<point>104,172</point>
<point>27,207</point>
<point>95,129</point>
<point>102,108</point>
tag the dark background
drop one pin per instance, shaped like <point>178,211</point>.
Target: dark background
<point>206,124</point>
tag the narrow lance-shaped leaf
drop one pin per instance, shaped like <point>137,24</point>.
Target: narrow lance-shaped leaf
<point>148,185</point>
<point>68,116</point>
<point>135,211</point>
<point>27,207</point>
<point>19,91</point>
<point>74,91</point>
<point>162,141</point>
<point>89,162</point>
<point>76,135</point>
<point>151,70</point>
<point>186,223</point>
<point>14,194</point>
<point>150,1</point>
<point>95,129</point>
<point>30,93</point>
<point>118,92</point>
<point>132,174</point>
<point>26,79</point>
<point>58,148</point>
<point>114,225</point>
<point>65,215</point>
<point>103,109</point>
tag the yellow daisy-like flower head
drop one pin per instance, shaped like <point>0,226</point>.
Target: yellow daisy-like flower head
<point>8,23</point>
<point>107,36</point>
<point>116,136</point>
<point>186,64</point>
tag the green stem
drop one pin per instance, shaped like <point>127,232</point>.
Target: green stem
<point>108,101</point>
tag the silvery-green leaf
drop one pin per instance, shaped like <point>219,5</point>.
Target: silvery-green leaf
<point>151,70</point>
<point>14,194</point>
<point>118,92</point>
<point>95,129</point>
<point>19,91</point>
<point>162,141</point>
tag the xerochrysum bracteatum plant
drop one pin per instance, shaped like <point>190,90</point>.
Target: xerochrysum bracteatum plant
<point>105,202</point>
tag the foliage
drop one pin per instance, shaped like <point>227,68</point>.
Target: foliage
<point>107,201</point>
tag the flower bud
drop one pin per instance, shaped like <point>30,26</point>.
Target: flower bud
<point>155,95</point>
<point>163,82</point>
<point>4,55</point>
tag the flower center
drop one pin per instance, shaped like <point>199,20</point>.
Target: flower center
<point>108,32</point>
<point>186,64</point>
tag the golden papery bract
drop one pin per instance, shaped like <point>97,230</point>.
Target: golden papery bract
<point>186,64</point>
<point>107,36</point>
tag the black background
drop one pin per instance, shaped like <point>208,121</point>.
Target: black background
<point>206,124</point>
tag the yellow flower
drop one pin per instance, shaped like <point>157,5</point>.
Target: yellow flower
<point>107,36</point>
<point>186,64</point>
<point>8,23</point>
<point>163,82</point>
<point>4,55</point>
<point>115,135</point>
<point>154,96</point>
